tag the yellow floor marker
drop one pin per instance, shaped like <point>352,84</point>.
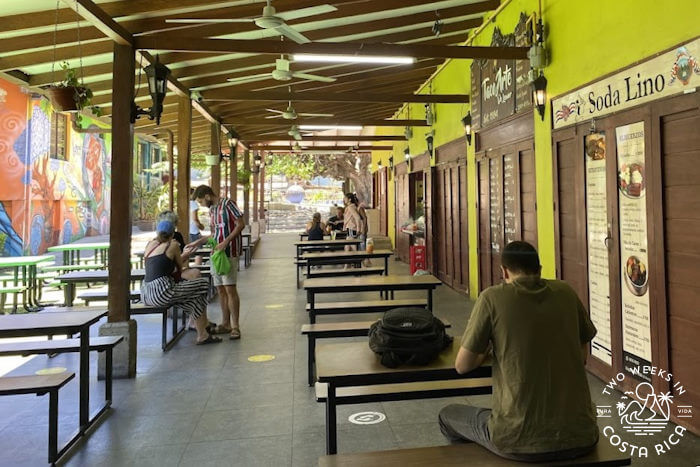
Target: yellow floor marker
<point>261,358</point>
<point>51,371</point>
<point>274,306</point>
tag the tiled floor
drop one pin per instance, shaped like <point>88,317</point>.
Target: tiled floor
<point>210,406</point>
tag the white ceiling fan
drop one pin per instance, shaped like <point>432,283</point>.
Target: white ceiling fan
<point>291,114</point>
<point>281,73</point>
<point>293,132</point>
<point>270,19</point>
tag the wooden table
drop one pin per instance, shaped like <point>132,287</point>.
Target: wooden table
<point>71,322</point>
<point>71,251</point>
<point>368,284</point>
<point>338,257</point>
<point>354,364</point>
<point>337,244</point>
<point>28,266</point>
<point>340,234</point>
<point>69,280</point>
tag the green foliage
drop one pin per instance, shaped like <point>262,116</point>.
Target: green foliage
<point>293,166</point>
<point>146,201</point>
<point>83,94</point>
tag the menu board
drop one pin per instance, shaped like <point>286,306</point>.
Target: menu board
<point>510,200</point>
<point>496,214</point>
<point>523,89</point>
<point>598,261</point>
<point>631,183</point>
<point>475,98</point>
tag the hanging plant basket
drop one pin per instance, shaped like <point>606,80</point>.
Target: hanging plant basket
<point>64,98</point>
<point>212,159</point>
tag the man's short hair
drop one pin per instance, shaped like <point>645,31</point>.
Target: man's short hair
<point>521,258</point>
<point>201,191</point>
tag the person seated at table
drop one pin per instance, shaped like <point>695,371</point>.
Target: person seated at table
<point>537,332</point>
<point>185,250</point>
<point>162,288</point>
<point>335,222</point>
<point>315,228</point>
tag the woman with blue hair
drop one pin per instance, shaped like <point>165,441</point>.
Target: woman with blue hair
<point>162,285</point>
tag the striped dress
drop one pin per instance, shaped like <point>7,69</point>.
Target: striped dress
<point>188,295</point>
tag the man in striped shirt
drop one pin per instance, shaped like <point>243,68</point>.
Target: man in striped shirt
<point>226,226</point>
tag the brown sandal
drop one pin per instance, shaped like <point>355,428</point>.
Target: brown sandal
<point>221,329</point>
<point>235,334</point>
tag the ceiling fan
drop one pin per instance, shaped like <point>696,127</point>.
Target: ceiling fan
<point>270,19</point>
<point>281,73</point>
<point>291,114</point>
<point>293,132</point>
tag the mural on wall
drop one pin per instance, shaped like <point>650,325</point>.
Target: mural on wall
<point>45,201</point>
<point>13,122</point>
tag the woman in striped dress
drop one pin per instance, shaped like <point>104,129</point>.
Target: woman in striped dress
<point>162,259</point>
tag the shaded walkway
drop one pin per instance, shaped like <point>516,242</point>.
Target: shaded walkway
<point>210,406</point>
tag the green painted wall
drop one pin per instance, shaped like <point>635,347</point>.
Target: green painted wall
<point>586,39</point>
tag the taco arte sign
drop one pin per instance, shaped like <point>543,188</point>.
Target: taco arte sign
<point>669,73</point>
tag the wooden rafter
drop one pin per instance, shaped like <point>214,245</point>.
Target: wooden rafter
<point>309,96</point>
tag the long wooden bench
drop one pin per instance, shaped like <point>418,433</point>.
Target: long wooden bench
<point>40,385</point>
<point>165,344</point>
<point>330,330</point>
<point>97,344</point>
<point>363,306</point>
<point>72,267</point>
<point>102,295</point>
<point>301,265</point>
<point>604,454</point>
<point>366,271</point>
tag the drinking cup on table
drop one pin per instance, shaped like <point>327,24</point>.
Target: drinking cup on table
<point>333,234</point>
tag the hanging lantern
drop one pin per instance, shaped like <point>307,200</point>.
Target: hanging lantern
<point>157,75</point>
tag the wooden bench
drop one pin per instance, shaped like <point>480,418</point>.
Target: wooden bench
<point>102,295</point>
<point>72,267</point>
<point>165,344</point>
<point>97,344</point>
<point>330,330</point>
<point>367,271</point>
<point>14,291</point>
<point>40,385</point>
<point>301,265</point>
<point>604,454</point>
<point>364,306</point>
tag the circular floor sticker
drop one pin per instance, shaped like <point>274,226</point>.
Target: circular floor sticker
<point>261,358</point>
<point>366,418</point>
<point>51,371</point>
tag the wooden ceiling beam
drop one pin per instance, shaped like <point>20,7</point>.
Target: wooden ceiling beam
<point>55,55</point>
<point>101,20</point>
<point>194,44</point>
<point>328,148</point>
<point>349,138</point>
<point>318,96</point>
<point>327,121</point>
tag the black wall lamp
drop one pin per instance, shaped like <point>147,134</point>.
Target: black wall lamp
<point>407,156</point>
<point>391,162</point>
<point>157,75</point>
<point>379,165</point>
<point>539,94</point>
<point>429,138</point>
<point>467,123</point>
<point>257,162</point>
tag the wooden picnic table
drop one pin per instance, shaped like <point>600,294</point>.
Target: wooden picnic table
<point>354,364</point>
<point>337,244</point>
<point>340,234</point>
<point>71,251</point>
<point>71,322</point>
<point>338,257</point>
<point>389,283</point>
<point>28,266</point>
<point>69,280</point>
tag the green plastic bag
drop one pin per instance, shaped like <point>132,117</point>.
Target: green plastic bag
<point>221,262</point>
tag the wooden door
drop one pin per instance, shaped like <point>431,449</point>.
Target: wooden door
<point>678,139</point>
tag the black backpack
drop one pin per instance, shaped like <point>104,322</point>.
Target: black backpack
<point>410,336</point>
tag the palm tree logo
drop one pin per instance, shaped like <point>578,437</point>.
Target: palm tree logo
<point>646,415</point>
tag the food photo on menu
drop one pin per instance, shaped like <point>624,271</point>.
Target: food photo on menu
<point>631,179</point>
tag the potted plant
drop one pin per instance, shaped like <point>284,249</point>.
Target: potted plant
<point>70,95</point>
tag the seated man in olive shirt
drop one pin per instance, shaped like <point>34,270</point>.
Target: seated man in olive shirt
<point>538,331</point>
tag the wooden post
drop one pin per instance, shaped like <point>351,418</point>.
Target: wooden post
<point>122,183</point>
<point>215,182</point>
<point>246,190</point>
<point>171,168</point>
<point>184,138</point>
<point>262,192</point>
<point>234,174</point>
<point>256,190</point>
